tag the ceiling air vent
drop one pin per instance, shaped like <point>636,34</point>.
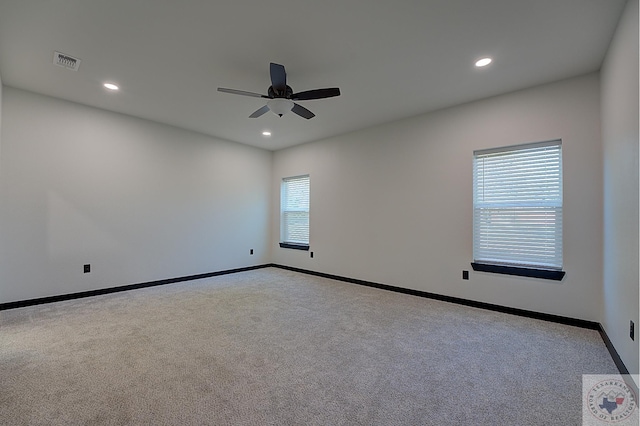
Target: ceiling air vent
<point>66,61</point>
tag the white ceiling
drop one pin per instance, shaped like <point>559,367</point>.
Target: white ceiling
<point>390,58</point>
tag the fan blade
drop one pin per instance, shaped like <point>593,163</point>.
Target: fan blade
<point>316,94</point>
<point>242,92</point>
<point>302,111</point>
<point>260,112</point>
<point>278,77</point>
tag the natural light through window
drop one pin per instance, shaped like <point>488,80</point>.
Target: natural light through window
<point>294,212</point>
<point>517,206</point>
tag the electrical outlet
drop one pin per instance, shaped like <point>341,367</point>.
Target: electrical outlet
<point>465,275</point>
<point>87,268</point>
<point>311,254</point>
<point>632,330</point>
<point>251,251</point>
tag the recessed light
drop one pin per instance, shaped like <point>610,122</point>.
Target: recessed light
<point>266,133</point>
<point>111,86</point>
<point>483,62</point>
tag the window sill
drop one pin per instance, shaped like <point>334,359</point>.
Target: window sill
<point>295,246</point>
<point>546,274</point>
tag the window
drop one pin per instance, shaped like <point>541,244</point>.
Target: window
<point>294,213</point>
<point>517,210</point>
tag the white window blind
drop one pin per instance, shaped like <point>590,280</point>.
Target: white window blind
<point>517,206</point>
<point>295,210</point>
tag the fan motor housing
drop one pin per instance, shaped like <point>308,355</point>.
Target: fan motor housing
<point>278,94</point>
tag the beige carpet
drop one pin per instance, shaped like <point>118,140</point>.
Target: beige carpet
<point>274,347</point>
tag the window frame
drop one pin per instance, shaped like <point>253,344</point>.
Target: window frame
<point>296,245</point>
<point>517,266</point>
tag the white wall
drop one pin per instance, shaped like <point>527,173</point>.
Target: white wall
<point>1,87</point>
<point>138,200</point>
<point>393,204</point>
<point>620,141</point>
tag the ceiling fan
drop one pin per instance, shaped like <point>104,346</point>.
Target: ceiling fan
<point>281,96</point>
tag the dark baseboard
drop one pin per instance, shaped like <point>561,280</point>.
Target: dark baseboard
<point>62,297</point>
<point>614,354</point>
<point>617,360</point>
<point>482,305</point>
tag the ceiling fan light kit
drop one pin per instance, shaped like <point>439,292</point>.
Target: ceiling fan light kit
<point>280,106</point>
<point>281,96</point>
